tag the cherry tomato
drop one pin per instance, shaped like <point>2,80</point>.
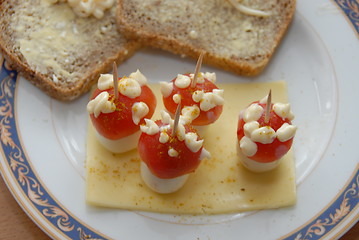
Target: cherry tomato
<point>205,117</point>
<point>119,123</point>
<point>275,150</point>
<point>155,155</point>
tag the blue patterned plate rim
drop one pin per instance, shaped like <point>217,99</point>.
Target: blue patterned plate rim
<point>350,8</point>
<point>55,214</point>
<point>16,161</point>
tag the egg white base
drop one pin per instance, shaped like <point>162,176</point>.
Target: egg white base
<point>161,185</point>
<point>255,166</point>
<point>120,145</point>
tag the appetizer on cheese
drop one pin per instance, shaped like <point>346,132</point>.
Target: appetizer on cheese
<point>169,150</point>
<point>117,114</point>
<point>201,99</point>
<point>265,134</point>
<point>220,185</point>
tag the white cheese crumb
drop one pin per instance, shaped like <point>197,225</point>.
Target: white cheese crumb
<point>200,78</point>
<point>204,154</point>
<point>172,153</point>
<point>212,99</point>
<point>210,76</point>
<point>129,87</point>
<point>283,110</point>
<point>151,128</point>
<point>263,135</point>
<point>181,131</point>
<point>105,81</point>
<point>192,143</point>
<point>252,113</point>
<point>249,127</point>
<point>166,88</point>
<point>166,118</point>
<point>176,98</point>
<point>286,132</point>
<point>182,81</point>
<point>189,113</point>
<point>248,147</point>
<point>139,111</point>
<point>197,95</point>
<point>139,77</point>
<point>164,137</point>
<point>101,104</point>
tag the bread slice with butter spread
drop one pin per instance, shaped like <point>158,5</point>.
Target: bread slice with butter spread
<point>239,36</point>
<point>58,51</point>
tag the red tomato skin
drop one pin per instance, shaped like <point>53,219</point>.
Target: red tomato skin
<point>155,155</point>
<point>119,123</point>
<point>205,117</point>
<point>268,152</point>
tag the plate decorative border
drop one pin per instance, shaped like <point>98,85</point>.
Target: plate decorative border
<point>51,211</point>
<point>21,169</point>
<point>351,11</point>
<point>27,180</point>
<point>339,209</point>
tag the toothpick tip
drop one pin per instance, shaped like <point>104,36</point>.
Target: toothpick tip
<point>198,68</point>
<point>268,107</point>
<point>115,79</point>
<point>176,119</point>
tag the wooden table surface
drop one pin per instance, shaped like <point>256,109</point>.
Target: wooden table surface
<point>15,224</point>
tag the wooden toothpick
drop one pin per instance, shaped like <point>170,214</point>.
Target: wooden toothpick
<point>196,71</point>
<point>269,102</point>
<point>176,120</point>
<point>115,79</point>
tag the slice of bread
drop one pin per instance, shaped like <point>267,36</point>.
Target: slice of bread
<point>231,38</point>
<point>56,50</point>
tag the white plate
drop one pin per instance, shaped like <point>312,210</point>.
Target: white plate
<point>43,143</point>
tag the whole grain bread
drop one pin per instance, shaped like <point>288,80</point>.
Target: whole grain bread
<point>232,38</point>
<point>59,52</point>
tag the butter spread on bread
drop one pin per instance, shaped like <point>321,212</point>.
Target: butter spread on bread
<point>247,10</point>
<point>58,51</point>
<point>86,8</point>
<point>231,39</point>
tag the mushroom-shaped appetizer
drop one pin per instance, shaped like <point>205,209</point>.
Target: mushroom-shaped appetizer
<point>265,134</point>
<point>117,109</point>
<point>201,99</point>
<point>170,150</point>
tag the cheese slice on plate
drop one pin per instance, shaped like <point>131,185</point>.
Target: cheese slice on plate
<point>220,184</point>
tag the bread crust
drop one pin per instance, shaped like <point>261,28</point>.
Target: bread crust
<point>246,67</point>
<point>75,90</point>
<point>62,91</point>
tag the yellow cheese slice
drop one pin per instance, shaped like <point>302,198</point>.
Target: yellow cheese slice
<point>220,184</point>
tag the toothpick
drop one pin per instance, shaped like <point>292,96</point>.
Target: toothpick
<point>115,79</point>
<point>176,120</point>
<point>268,107</point>
<point>196,71</point>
